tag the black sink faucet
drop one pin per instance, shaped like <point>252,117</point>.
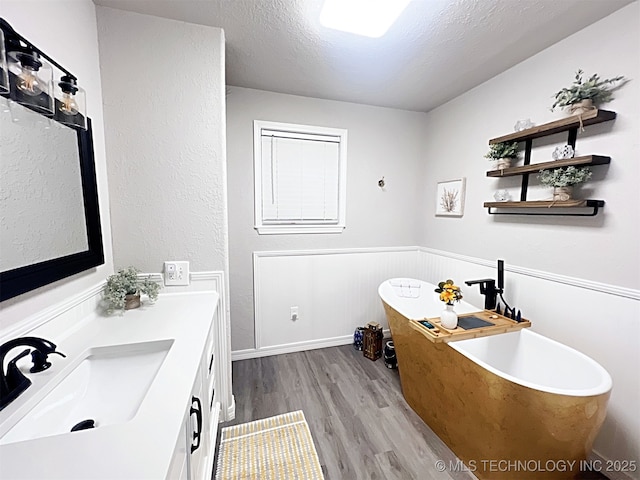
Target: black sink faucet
<point>12,381</point>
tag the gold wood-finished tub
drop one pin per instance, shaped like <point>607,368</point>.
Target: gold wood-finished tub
<point>513,405</point>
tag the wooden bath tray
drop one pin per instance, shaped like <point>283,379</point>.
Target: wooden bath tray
<point>501,324</point>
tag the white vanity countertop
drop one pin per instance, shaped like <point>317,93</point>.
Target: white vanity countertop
<point>141,448</point>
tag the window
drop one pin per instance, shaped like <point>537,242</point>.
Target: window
<point>300,178</point>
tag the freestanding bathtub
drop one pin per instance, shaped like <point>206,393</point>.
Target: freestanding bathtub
<point>511,406</point>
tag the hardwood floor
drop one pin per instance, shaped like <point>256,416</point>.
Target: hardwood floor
<point>360,423</point>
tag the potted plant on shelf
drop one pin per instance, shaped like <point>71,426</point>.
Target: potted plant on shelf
<point>503,153</point>
<point>582,96</point>
<point>123,289</point>
<point>563,179</point>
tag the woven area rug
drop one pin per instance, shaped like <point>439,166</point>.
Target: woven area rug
<point>274,448</point>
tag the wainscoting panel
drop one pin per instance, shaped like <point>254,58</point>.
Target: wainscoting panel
<point>335,291</point>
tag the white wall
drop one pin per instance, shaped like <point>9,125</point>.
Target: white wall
<point>604,249</point>
<point>165,128</point>
<point>382,142</point>
<point>77,51</point>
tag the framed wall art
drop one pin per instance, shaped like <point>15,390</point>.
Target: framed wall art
<point>450,198</point>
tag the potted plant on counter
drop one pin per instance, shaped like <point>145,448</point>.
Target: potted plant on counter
<point>582,96</point>
<point>503,153</point>
<point>563,179</point>
<point>123,289</point>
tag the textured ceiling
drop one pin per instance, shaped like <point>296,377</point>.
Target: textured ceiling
<point>437,49</point>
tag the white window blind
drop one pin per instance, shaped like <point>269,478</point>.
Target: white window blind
<point>302,180</point>
<point>300,177</point>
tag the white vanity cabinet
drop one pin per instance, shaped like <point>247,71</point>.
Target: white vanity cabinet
<point>194,452</point>
<point>176,418</point>
<point>213,391</point>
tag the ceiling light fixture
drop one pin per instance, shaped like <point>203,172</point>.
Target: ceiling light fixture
<point>370,18</point>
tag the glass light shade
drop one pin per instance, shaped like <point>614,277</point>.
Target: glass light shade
<point>33,81</point>
<point>71,104</point>
<point>4,73</point>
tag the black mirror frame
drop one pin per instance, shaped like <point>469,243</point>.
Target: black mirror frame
<point>24,279</point>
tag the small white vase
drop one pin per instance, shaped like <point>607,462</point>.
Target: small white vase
<point>449,318</point>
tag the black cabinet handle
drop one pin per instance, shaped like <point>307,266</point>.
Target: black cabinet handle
<point>198,412</point>
<point>211,363</point>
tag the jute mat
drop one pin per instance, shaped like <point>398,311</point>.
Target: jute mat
<point>274,448</point>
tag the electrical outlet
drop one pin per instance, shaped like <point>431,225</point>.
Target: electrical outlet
<point>176,273</point>
<point>294,314</point>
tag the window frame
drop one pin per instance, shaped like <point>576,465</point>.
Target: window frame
<point>288,228</point>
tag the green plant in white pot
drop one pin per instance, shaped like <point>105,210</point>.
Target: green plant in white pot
<point>503,153</point>
<point>563,179</point>
<point>123,289</point>
<point>584,95</point>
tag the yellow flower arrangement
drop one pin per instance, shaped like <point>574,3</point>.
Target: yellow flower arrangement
<point>449,292</point>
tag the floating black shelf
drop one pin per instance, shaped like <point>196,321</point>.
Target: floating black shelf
<point>549,205</point>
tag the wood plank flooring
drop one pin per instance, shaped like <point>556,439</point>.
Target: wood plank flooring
<point>361,425</point>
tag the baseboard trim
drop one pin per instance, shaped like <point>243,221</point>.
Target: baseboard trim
<point>607,288</point>
<point>231,410</point>
<point>294,347</point>
<point>606,467</point>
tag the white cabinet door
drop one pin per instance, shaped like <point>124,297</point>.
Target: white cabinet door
<point>179,468</point>
<point>197,436</point>
<point>193,457</point>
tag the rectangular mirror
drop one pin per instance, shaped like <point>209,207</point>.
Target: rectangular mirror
<point>49,215</point>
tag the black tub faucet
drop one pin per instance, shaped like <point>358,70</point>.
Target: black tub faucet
<point>489,290</point>
<point>13,382</point>
<point>488,287</point>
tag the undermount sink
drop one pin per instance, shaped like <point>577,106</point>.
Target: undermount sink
<point>107,386</point>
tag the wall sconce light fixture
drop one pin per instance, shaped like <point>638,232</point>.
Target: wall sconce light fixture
<point>33,81</point>
<point>26,77</point>
<point>71,103</point>
<point>4,73</point>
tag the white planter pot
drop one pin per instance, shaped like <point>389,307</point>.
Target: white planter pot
<point>503,163</point>
<point>581,107</point>
<point>562,194</point>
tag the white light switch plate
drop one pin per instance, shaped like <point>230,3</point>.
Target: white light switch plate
<point>176,273</point>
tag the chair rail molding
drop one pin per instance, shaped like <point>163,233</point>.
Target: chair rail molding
<point>610,289</point>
